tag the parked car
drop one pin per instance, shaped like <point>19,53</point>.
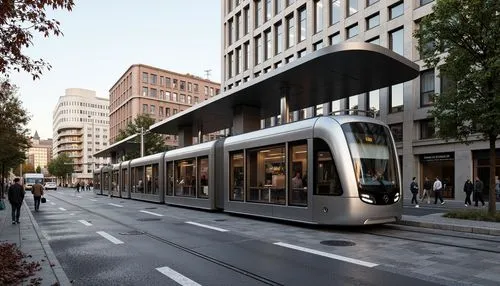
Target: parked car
<point>50,186</point>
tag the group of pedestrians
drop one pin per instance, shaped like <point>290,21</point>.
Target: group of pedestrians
<point>475,188</point>
<point>16,195</point>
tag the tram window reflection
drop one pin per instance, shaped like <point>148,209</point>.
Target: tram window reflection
<point>124,180</point>
<point>185,178</point>
<point>298,174</point>
<point>203,177</point>
<point>327,179</point>
<point>236,177</point>
<point>266,169</point>
<point>170,178</point>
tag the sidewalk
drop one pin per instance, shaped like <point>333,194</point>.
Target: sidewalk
<point>30,240</point>
<point>437,221</point>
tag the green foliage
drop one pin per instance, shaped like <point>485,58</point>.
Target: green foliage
<point>153,142</point>
<point>61,165</point>
<point>18,20</point>
<point>481,215</point>
<point>38,169</point>
<point>460,38</point>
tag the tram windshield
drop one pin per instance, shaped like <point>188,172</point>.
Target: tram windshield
<point>373,155</point>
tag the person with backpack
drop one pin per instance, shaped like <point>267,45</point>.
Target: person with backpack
<point>414,191</point>
<point>37,192</point>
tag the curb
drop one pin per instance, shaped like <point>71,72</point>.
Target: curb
<point>451,227</point>
<point>55,265</point>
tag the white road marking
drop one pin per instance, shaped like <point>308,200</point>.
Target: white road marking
<point>207,226</point>
<point>71,214</point>
<point>326,254</point>
<point>177,277</point>
<point>93,200</point>
<point>79,197</point>
<point>151,213</point>
<point>85,222</point>
<point>53,204</point>
<point>111,204</point>
<point>63,209</point>
<point>109,237</point>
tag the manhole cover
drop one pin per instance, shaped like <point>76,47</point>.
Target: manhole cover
<point>133,232</point>
<point>151,208</point>
<point>220,219</point>
<point>338,243</point>
<point>148,219</point>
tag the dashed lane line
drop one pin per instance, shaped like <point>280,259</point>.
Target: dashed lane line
<point>52,203</point>
<point>93,200</point>
<point>109,237</point>
<point>176,276</point>
<point>85,222</point>
<point>111,204</point>
<point>63,209</point>
<point>326,254</point>
<point>207,226</point>
<point>151,213</point>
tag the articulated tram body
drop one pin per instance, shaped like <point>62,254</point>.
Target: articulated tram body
<point>337,170</point>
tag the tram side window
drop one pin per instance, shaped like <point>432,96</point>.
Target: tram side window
<point>155,189</point>
<point>105,186</point>
<point>266,169</point>
<point>114,182</point>
<point>203,176</point>
<point>236,176</point>
<point>298,173</point>
<point>327,179</point>
<point>125,180</point>
<point>138,177</point>
<point>149,179</point>
<point>97,182</point>
<point>185,178</point>
<point>170,178</point>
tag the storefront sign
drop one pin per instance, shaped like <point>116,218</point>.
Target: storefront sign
<point>437,157</point>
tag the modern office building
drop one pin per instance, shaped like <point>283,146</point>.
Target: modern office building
<point>263,35</point>
<point>40,153</point>
<point>80,123</point>
<point>157,92</point>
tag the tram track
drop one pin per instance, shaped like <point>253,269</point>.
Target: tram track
<point>406,235</point>
<point>205,257</point>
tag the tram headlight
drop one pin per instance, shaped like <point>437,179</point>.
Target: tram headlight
<point>367,198</point>
<point>396,197</point>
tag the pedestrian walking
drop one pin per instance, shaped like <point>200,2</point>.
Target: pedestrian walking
<point>37,191</point>
<point>16,196</point>
<point>468,189</point>
<point>478,191</point>
<point>497,187</point>
<point>414,191</point>
<point>427,190</point>
<point>78,187</point>
<point>438,189</point>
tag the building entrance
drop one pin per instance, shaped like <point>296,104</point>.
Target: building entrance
<point>440,165</point>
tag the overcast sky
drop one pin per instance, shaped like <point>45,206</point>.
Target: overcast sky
<point>103,38</point>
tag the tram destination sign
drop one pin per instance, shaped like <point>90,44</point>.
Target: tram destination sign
<point>437,157</point>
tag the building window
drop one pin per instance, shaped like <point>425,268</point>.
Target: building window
<point>279,38</point>
<point>375,41</point>
<point>258,13</point>
<point>353,104</point>
<point>238,61</point>
<point>167,82</point>
<point>174,83</point>
<point>230,32</point>
<point>334,39</point>
<point>144,108</point>
<point>318,13</point>
<point>269,5</point>
<point>152,109</point>
<point>426,87</point>
<point>291,31</point>
<point>397,131</point>
<point>318,45</point>
<point>427,129</point>
<point>246,12</point>
<point>279,6</point>
<point>153,79</point>
<point>396,98</point>
<point>396,41</point>
<point>269,45</point>
<point>302,24</point>
<point>373,21</point>
<point>374,100</point>
<point>174,96</point>
<point>425,2</point>
<point>258,50</point>
<point>302,53</point>
<point>447,84</point>
<point>334,11</point>
<point>246,48</point>
<point>396,10</point>
<point>152,92</point>
<point>145,77</point>
<point>352,31</point>
<point>160,111</point>
<point>371,2</point>
<point>352,7</point>
<point>144,91</point>
<point>229,65</point>
<point>182,85</point>
<point>182,98</point>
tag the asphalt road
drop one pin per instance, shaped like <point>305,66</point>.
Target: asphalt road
<point>103,241</point>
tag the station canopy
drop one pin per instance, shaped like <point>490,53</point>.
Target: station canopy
<point>325,75</point>
<point>128,144</point>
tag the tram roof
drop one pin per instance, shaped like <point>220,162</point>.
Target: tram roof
<point>329,74</point>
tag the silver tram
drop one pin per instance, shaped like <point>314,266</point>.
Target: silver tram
<point>334,170</point>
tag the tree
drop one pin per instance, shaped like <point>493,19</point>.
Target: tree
<point>460,38</point>
<point>61,166</point>
<point>18,20</point>
<point>13,132</point>
<point>153,142</point>
<point>38,169</point>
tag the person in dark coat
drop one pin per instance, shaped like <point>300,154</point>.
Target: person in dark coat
<point>16,197</point>
<point>468,189</point>
<point>478,191</point>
